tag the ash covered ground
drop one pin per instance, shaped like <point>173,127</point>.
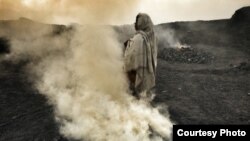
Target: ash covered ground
<point>205,83</point>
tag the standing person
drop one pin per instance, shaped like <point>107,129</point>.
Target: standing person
<point>141,56</point>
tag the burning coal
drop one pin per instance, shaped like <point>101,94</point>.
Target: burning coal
<point>181,46</point>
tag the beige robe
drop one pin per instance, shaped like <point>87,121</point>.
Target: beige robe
<point>142,57</point>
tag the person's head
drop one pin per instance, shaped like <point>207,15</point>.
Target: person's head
<point>143,23</point>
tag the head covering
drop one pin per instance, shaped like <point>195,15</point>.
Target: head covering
<point>144,23</point>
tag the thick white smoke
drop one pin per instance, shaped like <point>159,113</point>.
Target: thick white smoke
<point>89,91</point>
<point>81,73</point>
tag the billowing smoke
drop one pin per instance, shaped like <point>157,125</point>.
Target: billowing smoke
<point>81,73</point>
<point>69,11</point>
<point>89,91</point>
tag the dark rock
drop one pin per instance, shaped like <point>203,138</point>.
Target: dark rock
<point>241,15</point>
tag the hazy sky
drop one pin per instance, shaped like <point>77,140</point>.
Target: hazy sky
<point>118,11</point>
<point>179,10</point>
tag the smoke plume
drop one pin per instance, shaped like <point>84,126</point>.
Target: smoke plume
<point>166,37</point>
<point>88,89</point>
<point>81,73</point>
<point>69,11</point>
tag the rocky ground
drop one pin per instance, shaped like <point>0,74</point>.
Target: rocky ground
<point>207,83</point>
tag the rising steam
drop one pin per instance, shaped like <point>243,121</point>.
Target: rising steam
<point>81,73</point>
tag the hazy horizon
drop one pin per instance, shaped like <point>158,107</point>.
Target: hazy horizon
<point>161,11</point>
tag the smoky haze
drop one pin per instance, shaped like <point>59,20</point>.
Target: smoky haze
<point>89,91</point>
<point>163,11</point>
<point>81,73</point>
<point>68,11</point>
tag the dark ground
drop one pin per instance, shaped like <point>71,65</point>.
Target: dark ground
<point>210,82</point>
<point>25,116</point>
<point>207,84</point>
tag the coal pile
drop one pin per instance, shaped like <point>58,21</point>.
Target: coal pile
<point>186,55</point>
